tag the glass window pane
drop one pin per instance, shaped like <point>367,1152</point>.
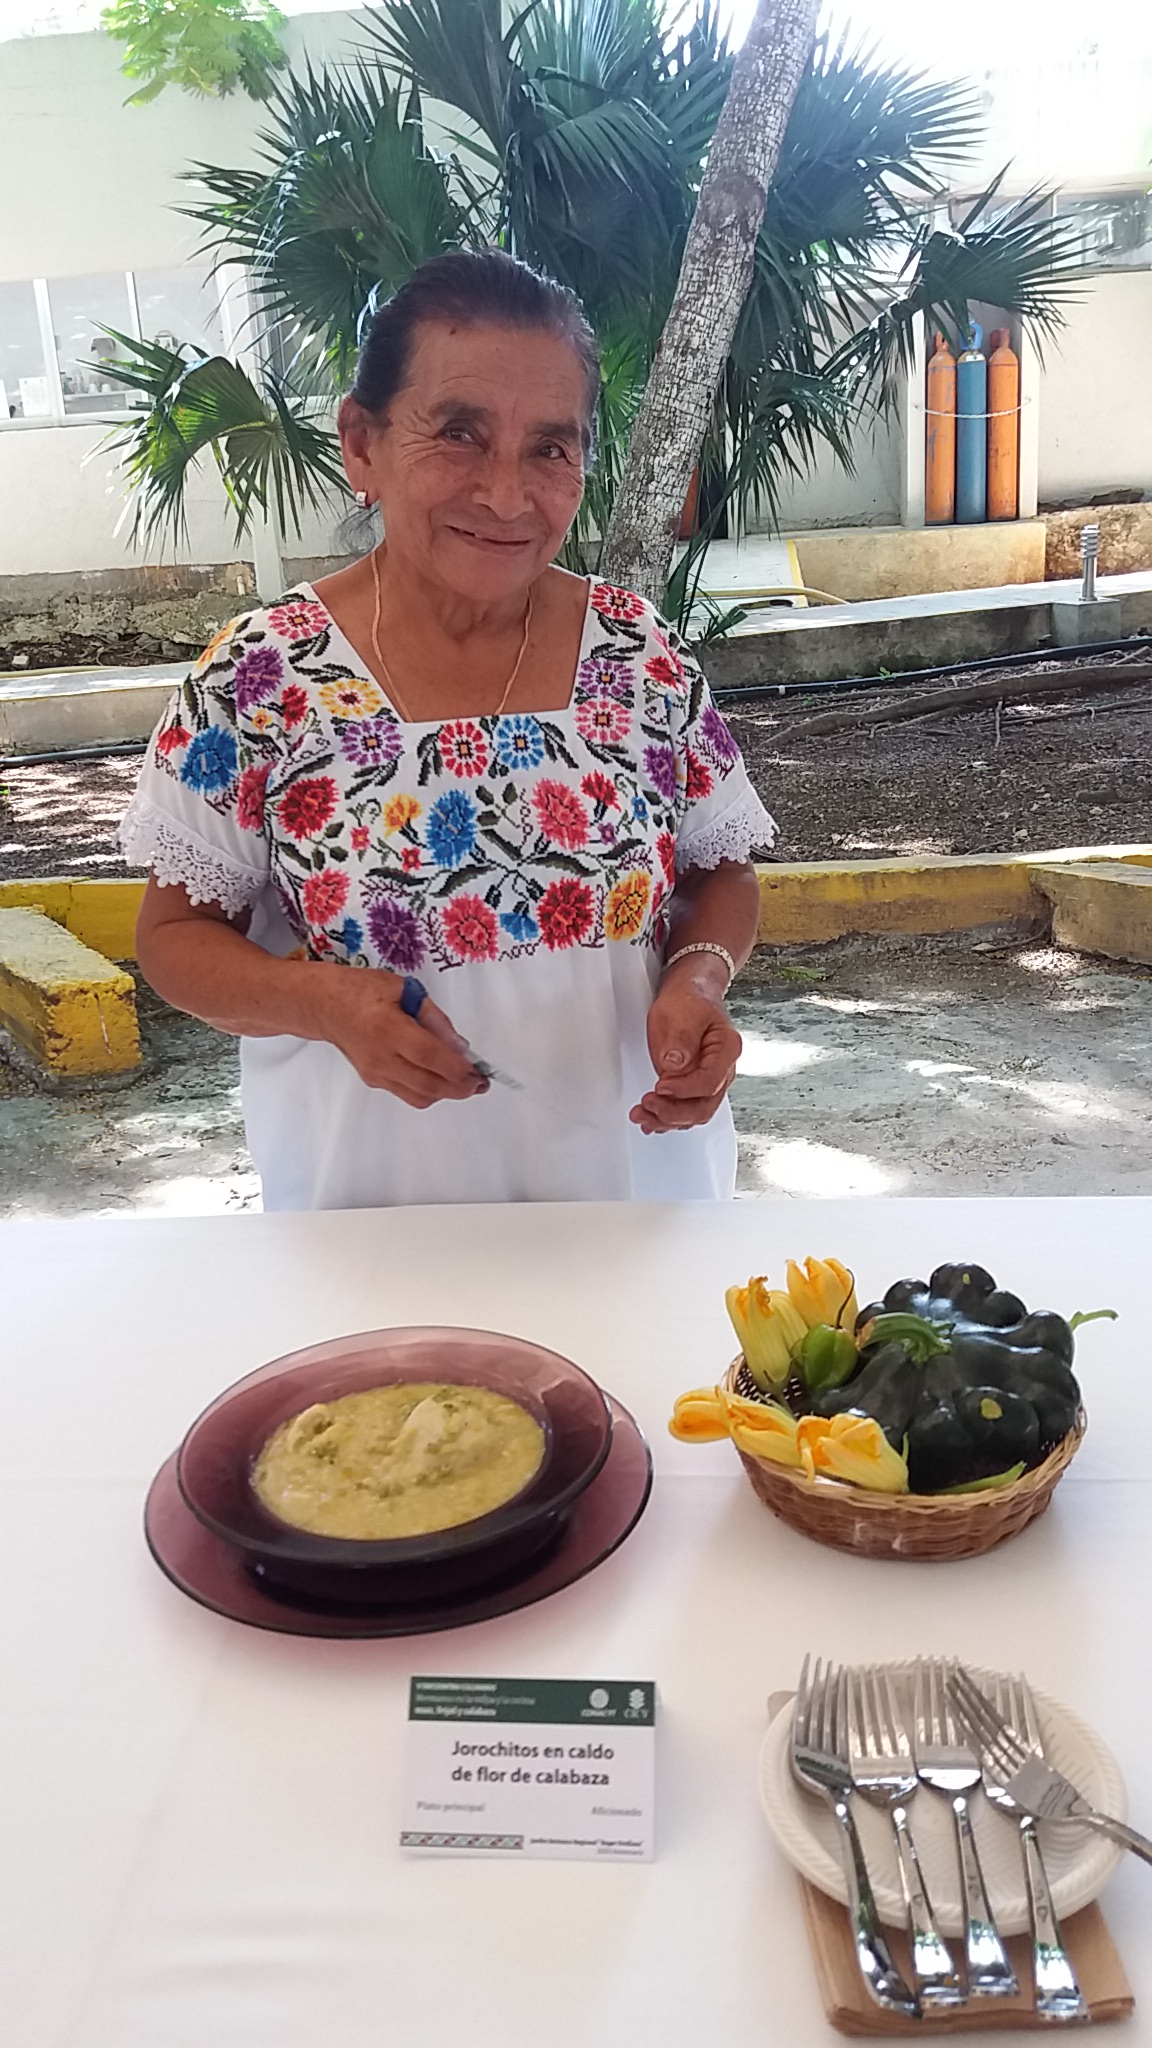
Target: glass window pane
<point>24,390</point>
<point>80,307</point>
<point>1115,229</point>
<point>180,306</point>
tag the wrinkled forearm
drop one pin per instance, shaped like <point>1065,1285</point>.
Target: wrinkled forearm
<point>206,967</point>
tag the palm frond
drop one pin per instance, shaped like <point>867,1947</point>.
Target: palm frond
<point>270,451</point>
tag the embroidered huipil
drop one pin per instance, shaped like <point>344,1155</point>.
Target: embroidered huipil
<point>519,865</point>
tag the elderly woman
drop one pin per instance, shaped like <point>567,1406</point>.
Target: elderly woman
<point>453,806</point>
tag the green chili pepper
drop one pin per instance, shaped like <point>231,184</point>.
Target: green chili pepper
<point>827,1357</point>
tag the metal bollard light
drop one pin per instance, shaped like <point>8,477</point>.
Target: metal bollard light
<point>1089,550</point>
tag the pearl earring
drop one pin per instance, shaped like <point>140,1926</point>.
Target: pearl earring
<point>361,498</point>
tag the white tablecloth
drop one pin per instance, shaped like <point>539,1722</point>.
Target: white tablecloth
<point>198,1822</point>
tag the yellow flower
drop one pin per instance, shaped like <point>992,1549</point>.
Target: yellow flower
<point>353,697</point>
<point>763,1430</point>
<point>851,1447</point>
<point>824,1291</point>
<point>261,719</point>
<point>769,1327</point>
<point>215,644</point>
<point>627,902</point>
<point>699,1417</point>
<point>400,811</point>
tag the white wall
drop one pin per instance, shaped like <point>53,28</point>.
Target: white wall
<point>828,497</point>
<point>60,500</point>
<point>89,184</point>
<point>1096,392</point>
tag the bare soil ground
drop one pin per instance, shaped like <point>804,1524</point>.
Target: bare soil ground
<point>987,1063</point>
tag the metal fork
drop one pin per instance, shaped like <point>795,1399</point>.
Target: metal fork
<point>947,1762</point>
<point>820,1764</point>
<point>880,1757</point>
<point>1055,1990</point>
<point>1036,1786</point>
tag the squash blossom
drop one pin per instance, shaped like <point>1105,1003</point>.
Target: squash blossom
<point>769,1327</point>
<point>699,1417</point>
<point>851,1447</point>
<point>763,1430</point>
<point>823,1291</point>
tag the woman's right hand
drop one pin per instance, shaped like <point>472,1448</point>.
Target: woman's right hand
<point>420,1060</point>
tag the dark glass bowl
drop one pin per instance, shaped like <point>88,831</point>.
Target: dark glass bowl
<point>216,1460</point>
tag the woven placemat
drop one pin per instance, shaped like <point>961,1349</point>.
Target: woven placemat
<point>851,2011</point>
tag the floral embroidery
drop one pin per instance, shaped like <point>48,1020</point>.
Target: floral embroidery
<point>371,744</point>
<point>452,829</point>
<point>307,805</point>
<point>562,816</point>
<point>470,928</point>
<point>546,830</point>
<point>565,914</point>
<point>718,738</point>
<point>400,811</point>
<point>627,902</point>
<point>660,763</point>
<point>217,641</point>
<point>324,896</point>
<point>603,719</point>
<point>600,790</point>
<point>251,792</point>
<point>518,742</point>
<point>210,762</point>
<point>257,674</point>
<point>463,748</point>
<point>294,704</point>
<point>698,780</point>
<point>396,935</point>
<point>617,604</point>
<point>353,697</point>
<point>298,619</point>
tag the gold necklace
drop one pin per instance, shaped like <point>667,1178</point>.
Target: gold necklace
<point>394,694</point>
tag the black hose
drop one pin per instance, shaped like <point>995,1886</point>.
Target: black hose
<point>72,754</point>
<point>740,693</point>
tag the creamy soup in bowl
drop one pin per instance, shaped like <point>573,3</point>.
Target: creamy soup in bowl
<point>397,1461</point>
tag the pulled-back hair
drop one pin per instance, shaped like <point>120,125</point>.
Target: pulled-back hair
<point>469,286</point>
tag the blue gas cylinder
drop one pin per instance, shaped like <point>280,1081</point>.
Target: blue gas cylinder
<point>972,430</point>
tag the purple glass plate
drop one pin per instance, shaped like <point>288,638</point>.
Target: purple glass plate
<point>211,1572</point>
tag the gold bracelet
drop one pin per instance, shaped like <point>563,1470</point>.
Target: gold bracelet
<point>706,946</point>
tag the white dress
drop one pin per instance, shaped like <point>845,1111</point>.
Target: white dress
<point>519,866</point>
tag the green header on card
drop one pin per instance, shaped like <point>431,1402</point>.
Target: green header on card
<point>612,1703</point>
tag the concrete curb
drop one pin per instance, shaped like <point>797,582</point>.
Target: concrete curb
<point>801,903</point>
<point>71,1009</point>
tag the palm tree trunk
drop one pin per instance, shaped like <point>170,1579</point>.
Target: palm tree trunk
<point>713,284</point>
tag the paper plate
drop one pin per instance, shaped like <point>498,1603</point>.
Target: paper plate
<point>1079,1861</point>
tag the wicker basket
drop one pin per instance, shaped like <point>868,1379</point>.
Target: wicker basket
<point>907,1525</point>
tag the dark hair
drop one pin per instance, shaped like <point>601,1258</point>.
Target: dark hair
<point>470,286</point>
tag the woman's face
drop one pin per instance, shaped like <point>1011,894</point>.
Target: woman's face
<point>479,465</point>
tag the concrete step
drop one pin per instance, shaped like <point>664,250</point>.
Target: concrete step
<point>44,712</point>
<point>68,1007</point>
<point>1104,907</point>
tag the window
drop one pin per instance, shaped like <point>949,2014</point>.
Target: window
<point>81,306</point>
<point>54,351</point>
<point>1115,228</point>
<point>24,388</point>
<point>180,306</point>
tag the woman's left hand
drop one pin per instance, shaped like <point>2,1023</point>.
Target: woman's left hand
<point>694,1048</point>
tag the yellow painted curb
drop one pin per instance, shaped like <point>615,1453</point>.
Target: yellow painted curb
<point>801,903</point>
<point>813,902</point>
<point>1103,908</point>
<point>70,1008</point>
<point>100,914</point>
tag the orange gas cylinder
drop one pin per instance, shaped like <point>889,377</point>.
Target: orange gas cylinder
<point>940,440</point>
<point>1003,428</point>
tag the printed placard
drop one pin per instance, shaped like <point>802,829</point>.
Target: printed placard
<point>556,1767</point>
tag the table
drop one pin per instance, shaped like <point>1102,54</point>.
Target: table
<point>199,1821</point>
